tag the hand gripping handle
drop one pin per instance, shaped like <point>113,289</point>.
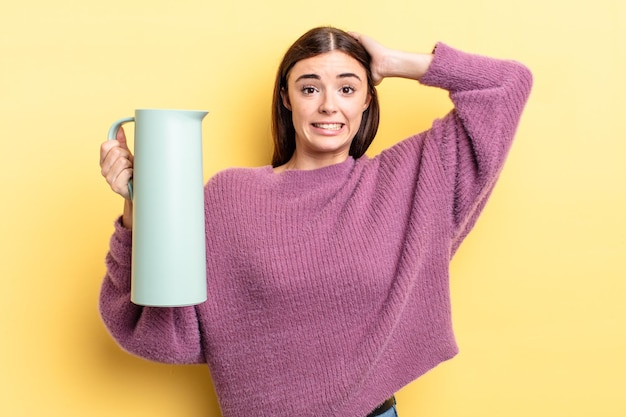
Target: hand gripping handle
<point>113,134</point>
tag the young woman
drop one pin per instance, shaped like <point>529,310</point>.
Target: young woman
<point>328,270</point>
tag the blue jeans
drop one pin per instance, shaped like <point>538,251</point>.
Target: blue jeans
<point>392,412</point>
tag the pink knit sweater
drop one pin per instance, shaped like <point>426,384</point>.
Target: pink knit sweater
<point>328,289</point>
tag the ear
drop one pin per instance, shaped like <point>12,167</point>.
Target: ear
<point>285,96</point>
<point>368,100</point>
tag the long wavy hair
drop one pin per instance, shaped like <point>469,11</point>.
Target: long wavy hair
<point>315,42</point>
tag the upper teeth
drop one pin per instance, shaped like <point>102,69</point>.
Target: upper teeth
<point>329,126</point>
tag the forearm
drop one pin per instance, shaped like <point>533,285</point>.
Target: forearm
<point>386,62</point>
<point>408,65</point>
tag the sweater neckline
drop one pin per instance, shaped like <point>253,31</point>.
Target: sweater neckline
<point>329,174</point>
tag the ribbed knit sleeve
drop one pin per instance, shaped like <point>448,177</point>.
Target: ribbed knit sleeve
<point>465,151</point>
<point>169,335</point>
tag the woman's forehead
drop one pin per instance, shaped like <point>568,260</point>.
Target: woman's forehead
<point>327,65</point>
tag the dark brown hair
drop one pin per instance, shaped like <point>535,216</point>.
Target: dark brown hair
<point>315,42</point>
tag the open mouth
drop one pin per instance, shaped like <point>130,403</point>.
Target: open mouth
<point>328,126</point>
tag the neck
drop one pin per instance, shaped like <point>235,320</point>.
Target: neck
<point>310,162</point>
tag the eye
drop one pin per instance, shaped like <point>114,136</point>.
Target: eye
<point>347,90</point>
<point>308,90</point>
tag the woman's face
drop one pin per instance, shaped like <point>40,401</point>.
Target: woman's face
<point>327,95</point>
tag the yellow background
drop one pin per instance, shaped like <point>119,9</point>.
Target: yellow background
<point>538,288</point>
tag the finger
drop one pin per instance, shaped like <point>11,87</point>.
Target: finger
<point>106,147</point>
<point>119,175</point>
<point>120,185</point>
<point>114,149</point>
<point>113,171</point>
<point>121,137</point>
<point>355,35</point>
<point>111,153</point>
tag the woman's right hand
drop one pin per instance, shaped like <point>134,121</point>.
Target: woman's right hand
<point>116,164</point>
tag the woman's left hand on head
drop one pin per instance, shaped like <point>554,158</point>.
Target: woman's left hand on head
<point>377,52</point>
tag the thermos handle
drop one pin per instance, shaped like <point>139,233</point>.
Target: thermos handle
<point>113,134</point>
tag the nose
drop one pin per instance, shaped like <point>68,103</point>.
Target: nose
<point>328,105</point>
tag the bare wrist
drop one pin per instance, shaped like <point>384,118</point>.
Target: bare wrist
<point>127,216</point>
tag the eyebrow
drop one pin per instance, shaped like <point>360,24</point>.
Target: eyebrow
<point>317,77</point>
